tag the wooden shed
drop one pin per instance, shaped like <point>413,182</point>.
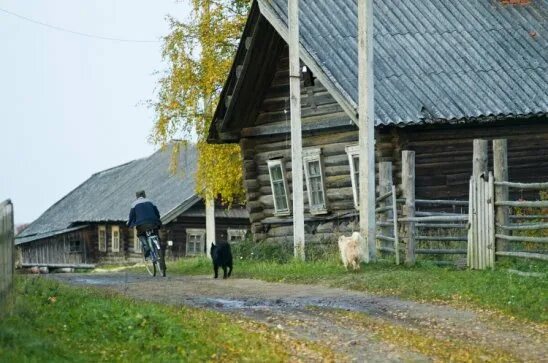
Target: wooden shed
<point>88,226</point>
<point>446,72</point>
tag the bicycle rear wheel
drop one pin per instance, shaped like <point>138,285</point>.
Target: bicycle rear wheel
<point>149,265</point>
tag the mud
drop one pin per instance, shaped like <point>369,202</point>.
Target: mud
<point>296,309</point>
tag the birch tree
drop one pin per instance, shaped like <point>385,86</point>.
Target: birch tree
<point>199,52</point>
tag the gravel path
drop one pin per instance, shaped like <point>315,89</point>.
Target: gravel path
<point>316,313</point>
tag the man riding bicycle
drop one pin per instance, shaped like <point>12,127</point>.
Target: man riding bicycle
<point>144,215</point>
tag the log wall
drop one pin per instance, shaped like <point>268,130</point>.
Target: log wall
<point>443,156</point>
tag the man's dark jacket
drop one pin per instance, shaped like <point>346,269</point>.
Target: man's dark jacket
<point>142,212</point>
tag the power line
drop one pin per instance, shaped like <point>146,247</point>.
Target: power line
<point>58,28</point>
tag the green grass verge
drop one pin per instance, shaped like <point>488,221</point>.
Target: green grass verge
<point>519,296</point>
<point>50,322</point>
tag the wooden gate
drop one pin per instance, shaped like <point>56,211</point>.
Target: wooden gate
<point>481,234</point>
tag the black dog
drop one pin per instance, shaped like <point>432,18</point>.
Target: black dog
<point>222,257</point>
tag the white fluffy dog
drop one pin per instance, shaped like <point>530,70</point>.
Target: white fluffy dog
<point>350,248</point>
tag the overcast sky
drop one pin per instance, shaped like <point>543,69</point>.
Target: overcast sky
<point>69,104</point>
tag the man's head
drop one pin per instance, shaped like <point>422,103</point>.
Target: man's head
<point>140,194</point>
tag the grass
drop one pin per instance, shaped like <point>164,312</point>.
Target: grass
<point>518,296</point>
<point>56,323</point>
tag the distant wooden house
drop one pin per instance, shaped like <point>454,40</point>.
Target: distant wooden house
<point>446,72</point>
<point>88,226</point>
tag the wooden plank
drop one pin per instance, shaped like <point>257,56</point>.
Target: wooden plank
<point>385,238</point>
<point>491,221</point>
<point>441,202</point>
<point>522,186</point>
<point>408,187</point>
<point>524,226</point>
<point>441,238</point>
<point>385,195</point>
<point>395,218</point>
<point>456,218</point>
<point>536,256</point>
<point>472,223</point>
<point>441,225</point>
<point>522,238</point>
<point>387,249</point>
<point>296,130</point>
<point>440,252</point>
<point>366,124</point>
<point>523,204</point>
<point>528,216</point>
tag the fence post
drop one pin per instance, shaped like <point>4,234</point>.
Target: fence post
<point>480,157</point>
<point>408,189</point>
<point>478,243</point>
<point>385,186</point>
<point>500,166</point>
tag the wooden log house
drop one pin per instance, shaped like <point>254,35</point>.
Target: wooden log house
<point>446,72</point>
<point>87,227</point>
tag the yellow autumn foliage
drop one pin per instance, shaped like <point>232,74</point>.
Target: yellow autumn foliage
<point>199,52</point>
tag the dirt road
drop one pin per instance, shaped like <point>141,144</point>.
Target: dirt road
<point>356,325</point>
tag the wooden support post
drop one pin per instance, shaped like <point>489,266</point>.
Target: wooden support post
<point>500,168</point>
<point>296,130</point>
<point>210,224</point>
<point>385,186</point>
<point>480,158</point>
<point>408,188</point>
<point>366,124</point>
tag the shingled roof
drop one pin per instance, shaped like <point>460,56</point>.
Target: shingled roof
<point>434,60</point>
<point>107,195</point>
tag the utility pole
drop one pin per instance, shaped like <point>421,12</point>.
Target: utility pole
<point>296,131</point>
<point>210,224</point>
<point>366,123</point>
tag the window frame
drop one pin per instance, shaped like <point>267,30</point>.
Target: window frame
<point>230,232</point>
<point>73,241</point>
<point>271,164</point>
<point>115,247</point>
<point>195,232</point>
<point>103,247</point>
<point>313,155</point>
<point>353,151</point>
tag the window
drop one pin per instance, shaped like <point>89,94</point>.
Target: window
<point>354,161</point>
<point>74,244</point>
<point>102,233</point>
<point>314,181</point>
<point>279,187</point>
<point>236,235</point>
<point>136,242</point>
<point>115,239</point>
<point>195,242</point>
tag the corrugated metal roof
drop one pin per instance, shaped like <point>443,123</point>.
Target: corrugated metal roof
<point>433,59</point>
<point>107,196</point>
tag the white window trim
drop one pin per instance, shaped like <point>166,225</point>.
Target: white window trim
<point>103,229</point>
<point>115,246</point>
<point>195,232</point>
<point>136,242</point>
<point>313,155</point>
<point>352,151</point>
<point>236,233</point>
<point>277,211</point>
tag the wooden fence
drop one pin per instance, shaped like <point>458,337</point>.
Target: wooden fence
<point>491,224</point>
<point>6,250</point>
<point>521,225</point>
<point>431,229</point>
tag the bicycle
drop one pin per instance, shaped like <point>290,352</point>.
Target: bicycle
<point>154,262</point>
